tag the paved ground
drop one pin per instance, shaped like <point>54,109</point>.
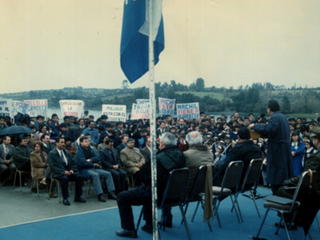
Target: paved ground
<point>22,207</point>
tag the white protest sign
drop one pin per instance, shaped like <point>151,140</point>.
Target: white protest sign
<point>115,113</point>
<point>140,111</point>
<point>166,106</point>
<point>72,108</point>
<point>188,110</point>
<point>19,107</point>
<point>37,107</point>
<point>5,107</point>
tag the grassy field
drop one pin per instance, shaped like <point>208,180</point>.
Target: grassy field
<point>112,96</point>
<point>216,95</point>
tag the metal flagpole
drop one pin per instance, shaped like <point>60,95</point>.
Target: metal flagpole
<point>153,126</point>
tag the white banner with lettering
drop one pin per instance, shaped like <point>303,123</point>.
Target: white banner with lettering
<point>37,107</point>
<point>72,108</point>
<point>115,113</point>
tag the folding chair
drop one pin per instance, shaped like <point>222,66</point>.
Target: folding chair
<point>250,182</point>
<point>37,182</point>
<point>15,176</point>
<point>229,187</point>
<point>286,205</point>
<point>58,186</point>
<point>197,191</point>
<point>175,194</point>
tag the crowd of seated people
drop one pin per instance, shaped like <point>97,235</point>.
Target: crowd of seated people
<point>81,149</point>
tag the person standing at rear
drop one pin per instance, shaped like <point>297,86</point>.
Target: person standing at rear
<point>279,167</point>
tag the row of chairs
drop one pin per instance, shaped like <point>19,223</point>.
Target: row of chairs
<point>176,191</point>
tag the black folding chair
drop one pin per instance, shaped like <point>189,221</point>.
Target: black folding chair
<point>250,182</point>
<point>229,187</point>
<point>286,205</point>
<point>197,191</point>
<point>175,194</point>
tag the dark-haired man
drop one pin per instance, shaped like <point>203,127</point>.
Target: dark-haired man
<point>6,160</point>
<point>279,167</point>
<point>124,138</point>
<point>110,162</point>
<point>63,169</point>
<point>93,133</point>
<point>47,145</point>
<point>88,164</point>
<point>21,155</point>
<point>245,151</point>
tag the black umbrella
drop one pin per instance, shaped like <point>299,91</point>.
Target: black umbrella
<point>15,130</point>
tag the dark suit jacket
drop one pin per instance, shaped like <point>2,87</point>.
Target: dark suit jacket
<point>107,161</point>
<point>146,153</point>
<point>55,163</point>
<point>120,147</point>
<point>159,131</point>
<point>47,149</point>
<point>83,164</point>
<point>2,156</point>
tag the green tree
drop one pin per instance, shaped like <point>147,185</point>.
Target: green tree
<point>286,104</point>
<point>200,85</point>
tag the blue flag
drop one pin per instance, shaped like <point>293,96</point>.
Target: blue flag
<point>134,57</point>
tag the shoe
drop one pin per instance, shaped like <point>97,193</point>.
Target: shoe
<point>53,195</point>
<point>111,195</point>
<point>293,226</point>
<point>147,228</point>
<point>43,183</point>
<point>127,233</point>
<point>101,198</point>
<point>80,199</point>
<point>66,202</point>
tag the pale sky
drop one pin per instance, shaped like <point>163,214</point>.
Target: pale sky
<point>51,44</point>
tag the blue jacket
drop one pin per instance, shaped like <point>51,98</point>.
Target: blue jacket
<point>82,163</point>
<point>94,135</point>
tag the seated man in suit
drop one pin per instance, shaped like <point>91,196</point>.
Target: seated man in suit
<point>146,151</point>
<point>6,162</point>
<point>21,155</point>
<point>162,129</point>
<point>63,169</point>
<point>110,162</point>
<point>124,138</point>
<point>88,164</point>
<point>47,145</point>
<point>245,150</point>
<point>132,160</point>
<point>168,158</point>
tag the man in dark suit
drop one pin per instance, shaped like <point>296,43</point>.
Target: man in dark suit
<point>63,169</point>
<point>162,129</point>
<point>47,145</point>
<point>245,150</point>
<point>110,162</point>
<point>21,155</point>
<point>6,161</point>
<point>146,151</point>
<point>123,144</point>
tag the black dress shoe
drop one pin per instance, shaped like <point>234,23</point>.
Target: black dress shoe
<point>147,228</point>
<point>111,195</point>
<point>127,233</point>
<point>80,199</point>
<point>101,198</point>
<point>66,202</point>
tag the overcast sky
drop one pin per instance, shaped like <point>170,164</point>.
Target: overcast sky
<point>51,44</point>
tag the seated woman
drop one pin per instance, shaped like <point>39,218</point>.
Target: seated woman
<point>39,165</point>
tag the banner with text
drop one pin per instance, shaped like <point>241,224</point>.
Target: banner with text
<point>72,108</point>
<point>37,107</point>
<point>5,107</point>
<point>140,111</point>
<point>166,106</point>
<point>18,106</point>
<point>115,113</point>
<point>188,110</point>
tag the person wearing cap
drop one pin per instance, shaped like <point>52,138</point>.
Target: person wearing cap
<point>279,167</point>
<point>297,151</point>
<point>310,204</point>
<point>245,151</point>
<point>132,160</point>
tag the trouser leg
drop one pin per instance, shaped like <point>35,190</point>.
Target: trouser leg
<point>107,176</point>
<point>96,180</point>
<point>12,169</point>
<point>77,178</point>
<point>64,182</point>
<point>25,166</point>
<point>125,200</point>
